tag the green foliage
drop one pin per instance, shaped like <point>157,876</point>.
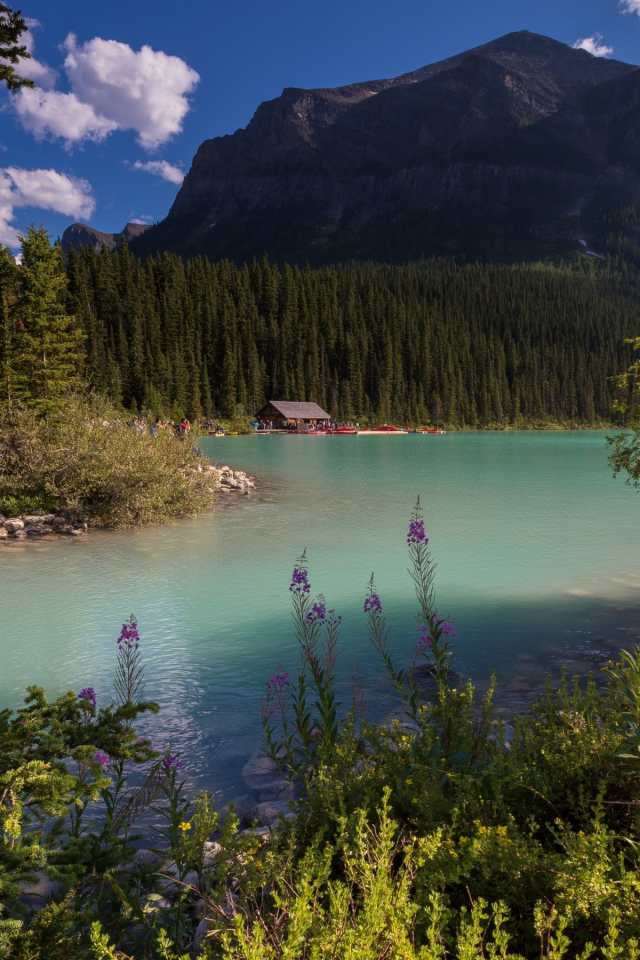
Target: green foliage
<point>428,836</point>
<point>12,27</point>
<point>626,446</point>
<point>471,346</point>
<point>239,422</point>
<point>113,475</point>
<point>41,344</point>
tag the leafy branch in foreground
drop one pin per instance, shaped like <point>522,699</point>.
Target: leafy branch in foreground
<point>626,446</point>
<point>12,27</point>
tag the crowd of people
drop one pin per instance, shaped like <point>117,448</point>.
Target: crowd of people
<point>294,425</point>
<point>172,428</point>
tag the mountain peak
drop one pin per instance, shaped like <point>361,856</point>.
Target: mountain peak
<point>81,234</point>
<point>492,152</point>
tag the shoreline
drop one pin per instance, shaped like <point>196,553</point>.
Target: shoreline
<point>38,525</point>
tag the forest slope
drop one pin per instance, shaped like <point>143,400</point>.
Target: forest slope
<point>466,346</point>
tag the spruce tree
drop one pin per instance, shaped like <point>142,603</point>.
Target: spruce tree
<point>48,342</point>
<point>8,289</point>
<point>12,26</point>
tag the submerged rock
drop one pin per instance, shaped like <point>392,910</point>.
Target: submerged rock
<point>241,805</point>
<point>267,814</point>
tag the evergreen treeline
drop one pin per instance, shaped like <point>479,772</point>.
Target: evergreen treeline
<point>464,346</point>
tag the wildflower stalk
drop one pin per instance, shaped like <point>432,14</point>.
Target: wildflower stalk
<point>294,748</point>
<point>378,634</point>
<point>129,679</point>
<point>435,630</point>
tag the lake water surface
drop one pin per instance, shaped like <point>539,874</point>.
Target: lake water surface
<point>538,564</point>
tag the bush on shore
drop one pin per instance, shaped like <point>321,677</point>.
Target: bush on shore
<point>114,475</point>
<point>428,837</point>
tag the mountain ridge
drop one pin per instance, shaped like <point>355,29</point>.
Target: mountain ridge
<point>82,234</point>
<point>516,149</point>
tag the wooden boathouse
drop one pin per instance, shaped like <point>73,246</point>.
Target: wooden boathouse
<point>283,415</point>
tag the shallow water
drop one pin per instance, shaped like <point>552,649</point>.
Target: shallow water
<point>538,564</point>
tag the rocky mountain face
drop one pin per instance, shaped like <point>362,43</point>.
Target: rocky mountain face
<point>81,234</point>
<point>520,148</point>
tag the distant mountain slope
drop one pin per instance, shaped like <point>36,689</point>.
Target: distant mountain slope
<point>519,148</point>
<point>80,233</point>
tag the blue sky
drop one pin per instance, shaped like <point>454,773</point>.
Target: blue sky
<point>126,91</point>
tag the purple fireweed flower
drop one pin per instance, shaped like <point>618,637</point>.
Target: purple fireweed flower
<point>317,612</point>
<point>334,616</point>
<point>300,581</point>
<point>372,604</point>
<point>426,640</point>
<point>171,763</point>
<point>448,629</point>
<point>102,758</point>
<point>89,695</point>
<point>129,636</point>
<point>416,533</point>
<point>278,681</point>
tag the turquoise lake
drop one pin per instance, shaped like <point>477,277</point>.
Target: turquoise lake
<point>538,553</point>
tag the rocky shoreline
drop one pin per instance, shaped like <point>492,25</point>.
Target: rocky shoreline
<point>231,481</point>
<point>38,525</point>
<point>35,526</point>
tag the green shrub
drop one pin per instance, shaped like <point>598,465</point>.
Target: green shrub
<point>423,837</point>
<point>112,475</point>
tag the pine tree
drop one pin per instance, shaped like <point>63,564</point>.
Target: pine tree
<point>47,340</point>
<point>8,287</point>
<point>12,27</point>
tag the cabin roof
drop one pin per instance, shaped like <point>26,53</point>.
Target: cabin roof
<point>296,411</point>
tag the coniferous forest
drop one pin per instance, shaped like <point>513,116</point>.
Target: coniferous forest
<point>463,346</point>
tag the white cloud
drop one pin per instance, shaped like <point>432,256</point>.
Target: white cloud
<point>44,75</point>
<point>161,168</point>
<point>144,91</point>
<point>630,6</point>
<point>51,113</point>
<point>594,44</point>
<point>46,189</point>
<point>113,87</point>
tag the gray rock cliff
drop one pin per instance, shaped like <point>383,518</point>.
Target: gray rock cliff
<point>512,149</point>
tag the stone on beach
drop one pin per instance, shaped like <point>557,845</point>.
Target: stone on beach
<point>146,858</point>
<point>211,851</point>
<point>14,524</point>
